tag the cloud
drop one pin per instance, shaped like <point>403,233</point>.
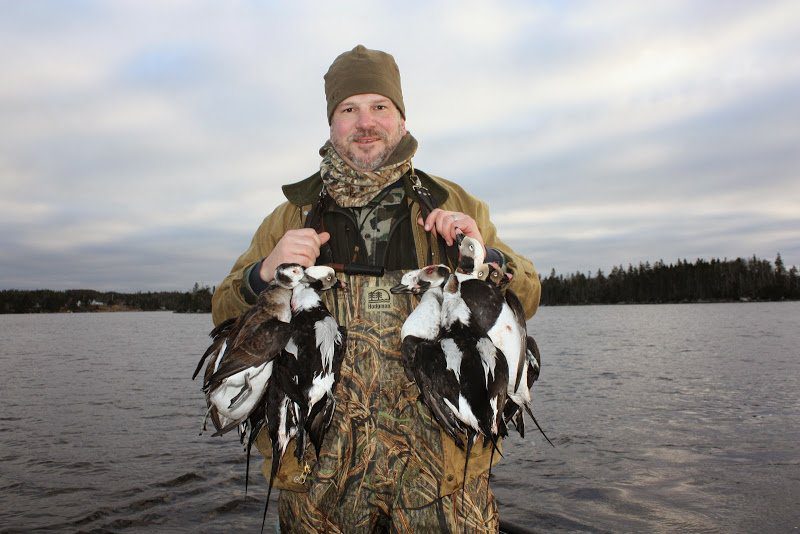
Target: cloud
<point>141,143</point>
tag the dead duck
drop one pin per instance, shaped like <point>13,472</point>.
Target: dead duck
<point>482,368</point>
<point>422,324</point>
<point>501,317</point>
<point>519,396</point>
<point>299,400</point>
<point>281,415</point>
<point>242,352</point>
<point>482,373</point>
<point>423,358</point>
<point>317,344</point>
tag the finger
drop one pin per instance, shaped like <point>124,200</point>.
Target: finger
<point>445,232</point>
<point>449,226</point>
<point>430,222</point>
<point>304,257</point>
<point>324,237</point>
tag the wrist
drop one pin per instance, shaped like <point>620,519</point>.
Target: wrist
<point>255,278</point>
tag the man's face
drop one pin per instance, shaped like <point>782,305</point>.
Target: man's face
<point>365,129</point>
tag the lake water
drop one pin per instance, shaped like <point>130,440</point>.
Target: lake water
<point>668,418</point>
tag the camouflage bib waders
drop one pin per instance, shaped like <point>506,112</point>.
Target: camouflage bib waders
<point>382,462</point>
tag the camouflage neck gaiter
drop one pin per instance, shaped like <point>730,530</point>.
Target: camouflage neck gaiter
<point>354,189</point>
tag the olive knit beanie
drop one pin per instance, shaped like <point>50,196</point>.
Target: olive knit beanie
<point>360,71</point>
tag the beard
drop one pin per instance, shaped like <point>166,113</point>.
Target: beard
<point>368,163</point>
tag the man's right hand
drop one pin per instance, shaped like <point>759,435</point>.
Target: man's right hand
<point>296,246</point>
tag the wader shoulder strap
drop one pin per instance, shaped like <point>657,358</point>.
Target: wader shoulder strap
<point>315,220</point>
<point>427,204</point>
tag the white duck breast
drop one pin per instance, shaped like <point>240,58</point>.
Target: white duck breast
<point>422,324</point>
<point>423,321</point>
<point>454,309</point>
<point>238,394</point>
<point>507,336</point>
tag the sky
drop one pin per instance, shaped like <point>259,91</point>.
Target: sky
<point>143,142</point>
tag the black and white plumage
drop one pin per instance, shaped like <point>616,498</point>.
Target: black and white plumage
<point>528,366</point>
<point>475,375</point>
<point>480,367</point>
<point>242,351</point>
<point>502,318</point>
<point>461,375</point>
<point>317,344</point>
<point>276,366</point>
<point>424,360</point>
<point>300,396</point>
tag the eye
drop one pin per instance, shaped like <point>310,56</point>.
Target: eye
<point>381,107</point>
<point>472,247</point>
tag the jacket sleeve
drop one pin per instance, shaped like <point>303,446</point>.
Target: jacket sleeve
<point>233,295</point>
<point>525,282</point>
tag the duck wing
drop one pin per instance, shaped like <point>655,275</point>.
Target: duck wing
<point>485,302</point>
<point>534,360</point>
<point>264,345</point>
<point>218,335</point>
<point>321,413</point>
<point>439,386</point>
<point>281,422</point>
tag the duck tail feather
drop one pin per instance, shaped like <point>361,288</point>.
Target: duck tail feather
<point>528,409</point>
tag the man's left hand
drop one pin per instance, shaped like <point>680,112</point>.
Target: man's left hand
<point>447,223</point>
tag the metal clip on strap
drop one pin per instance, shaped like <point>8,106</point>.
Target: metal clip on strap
<point>425,198</point>
<point>426,206</point>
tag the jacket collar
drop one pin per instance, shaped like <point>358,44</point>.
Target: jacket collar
<point>306,192</point>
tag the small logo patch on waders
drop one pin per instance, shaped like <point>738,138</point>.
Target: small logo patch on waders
<point>378,299</point>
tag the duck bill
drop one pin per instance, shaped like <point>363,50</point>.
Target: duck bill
<point>400,289</point>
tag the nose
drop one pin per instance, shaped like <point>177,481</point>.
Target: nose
<point>365,119</point>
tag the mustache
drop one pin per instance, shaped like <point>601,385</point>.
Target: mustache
<point>371,132</point>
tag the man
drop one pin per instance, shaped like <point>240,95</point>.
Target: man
<point>385,464</point>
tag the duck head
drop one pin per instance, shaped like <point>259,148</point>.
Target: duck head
<point>470,255</point>
<point>420,280</point>
<point>321,278</point>
<point>492,273</point>
<point>288,275</point>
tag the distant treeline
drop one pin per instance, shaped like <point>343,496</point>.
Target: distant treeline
<point>198,300</point>
<point>701,281</point>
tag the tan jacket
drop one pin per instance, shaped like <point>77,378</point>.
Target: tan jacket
<point>231,300</point>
